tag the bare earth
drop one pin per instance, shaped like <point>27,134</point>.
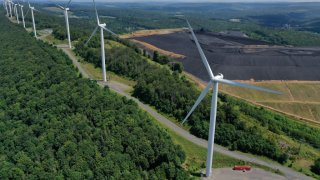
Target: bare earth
<point>291,70</point>
<point>161,51</point>
<point>144,33</point>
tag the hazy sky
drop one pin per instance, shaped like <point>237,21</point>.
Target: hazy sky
<point>173,1</point>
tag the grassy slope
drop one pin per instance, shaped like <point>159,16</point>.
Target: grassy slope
<point>299,98</point>
<point>301,156</point>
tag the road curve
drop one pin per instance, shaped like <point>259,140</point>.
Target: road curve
<point>122,90</point>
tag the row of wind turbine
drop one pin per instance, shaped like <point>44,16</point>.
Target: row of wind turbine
<point>13,10</point>
<point>101,26</point>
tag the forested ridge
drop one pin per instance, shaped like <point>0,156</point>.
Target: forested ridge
<point>171,93</point>
<point>56,125</point>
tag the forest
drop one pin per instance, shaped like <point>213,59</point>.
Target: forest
<point>56,125</point>
<point>125,20</point>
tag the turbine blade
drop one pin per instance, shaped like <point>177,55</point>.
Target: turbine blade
<point>108,30</point>
<point>68,4</point>
<point>37,10</point>
<point>203,56</point>
<point>27,12</point>
<point>200,98</point>
<point>233,83</point>
<point>93,33</point>
<point>60,6</point>
<point>95,8</point>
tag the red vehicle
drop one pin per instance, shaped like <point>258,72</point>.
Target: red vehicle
<point>242,168</point>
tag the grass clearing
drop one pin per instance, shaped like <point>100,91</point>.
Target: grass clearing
<point>96,73</point>
<point>301,99</point>
<point>50,38</point>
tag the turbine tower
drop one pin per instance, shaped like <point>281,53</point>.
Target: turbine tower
<point>102,28</point>
<point>33,21</point>
<point>214,82</point>
<point>22,15</point>
<point>16,13</point>
<point>10,8</point>
<point>5,4</point>
<point>66,9</point>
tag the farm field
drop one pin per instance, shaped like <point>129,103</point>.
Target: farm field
<point>293,71</point>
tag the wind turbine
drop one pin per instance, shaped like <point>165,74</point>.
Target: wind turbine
<point>16,13</point>
<point>214,82</point>
<point>10,8</point>
<point>66,9</point>
<point>31,8</point>
<point>103,55</point>
<point>22,15</point>
<point>6,7</point>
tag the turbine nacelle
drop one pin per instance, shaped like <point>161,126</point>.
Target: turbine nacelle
<point>103,25</point>
<point>217,77</point>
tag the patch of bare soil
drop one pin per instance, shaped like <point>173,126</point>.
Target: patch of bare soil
<point>144,33</point>
<point>161,51</point>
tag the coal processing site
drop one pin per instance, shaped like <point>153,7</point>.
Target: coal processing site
<point>240,58</point>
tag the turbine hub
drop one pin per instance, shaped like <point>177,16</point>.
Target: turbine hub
<point>219,76</point>
<point>103,25</point>
<point>67,9</point>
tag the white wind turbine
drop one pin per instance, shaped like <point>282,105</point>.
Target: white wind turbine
<point>5,4</point>
<point>10,8</point>
<point>66,9</point>
<point>16,13</point>
<point>214,82</point>
<point>22,15</point>
<point>31,8</point>
<point>103,55</point>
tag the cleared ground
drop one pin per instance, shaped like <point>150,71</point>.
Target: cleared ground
<point>240,58</point>
<point>291,70</point>
<point>143,33</point>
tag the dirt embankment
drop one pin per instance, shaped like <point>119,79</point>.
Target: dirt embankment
<point>161,51</point>
<point>144,33</point>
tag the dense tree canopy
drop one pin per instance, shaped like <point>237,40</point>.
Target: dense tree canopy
<point>55,125</point>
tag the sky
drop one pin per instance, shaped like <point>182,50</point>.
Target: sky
<point>174,1</point>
